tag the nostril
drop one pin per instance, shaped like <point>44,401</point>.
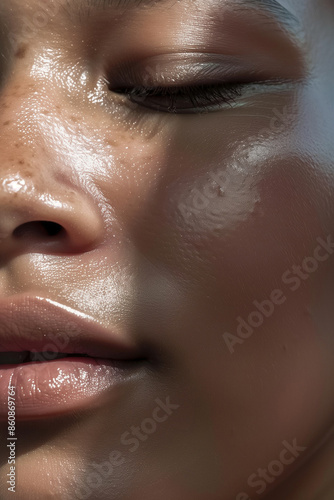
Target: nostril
<point>52,228</point>
<point>37,229</point>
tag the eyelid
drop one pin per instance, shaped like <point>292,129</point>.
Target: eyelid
<point>186,69</point>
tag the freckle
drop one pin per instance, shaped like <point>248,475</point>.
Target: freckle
<point>27,173</point>
<point>45,112</point>
<point>73,118</point>
<point>17,145</point>
<point>111,142</point>
<point>21,162</point>
<point>7,122</point>
<point>21,51</point>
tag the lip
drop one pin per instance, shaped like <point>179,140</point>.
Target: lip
<point>49,386</point>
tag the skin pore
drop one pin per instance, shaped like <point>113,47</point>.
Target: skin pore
<point>185,211</point>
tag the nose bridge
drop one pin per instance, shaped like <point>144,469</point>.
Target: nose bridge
<point>35,185</point>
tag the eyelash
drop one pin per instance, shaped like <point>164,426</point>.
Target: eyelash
<point>196,99</point>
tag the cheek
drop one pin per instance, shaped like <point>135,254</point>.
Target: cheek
<point>237,227</point>
<point>234,212</point>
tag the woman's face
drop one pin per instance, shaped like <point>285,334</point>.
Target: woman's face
<point>183,151</point>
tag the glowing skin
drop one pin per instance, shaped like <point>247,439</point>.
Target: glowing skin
<point>173,225</point>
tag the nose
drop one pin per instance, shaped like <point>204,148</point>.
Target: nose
<point>37,216</point>
<point>43,206</point>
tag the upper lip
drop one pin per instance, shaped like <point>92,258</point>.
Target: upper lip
<point>31,323</point>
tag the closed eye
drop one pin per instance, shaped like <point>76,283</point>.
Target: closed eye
<point>183,99</point>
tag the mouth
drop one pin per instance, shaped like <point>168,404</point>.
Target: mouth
<point>15,358</point>
<point>59,360</point>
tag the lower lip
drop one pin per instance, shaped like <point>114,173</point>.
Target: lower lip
<point>57,387</point>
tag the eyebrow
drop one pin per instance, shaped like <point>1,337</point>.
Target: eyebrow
<point>273,7</point>
<point>276,9</point>
<point>86,7</point>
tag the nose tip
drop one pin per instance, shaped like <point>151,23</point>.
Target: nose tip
<point>55,219</point>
